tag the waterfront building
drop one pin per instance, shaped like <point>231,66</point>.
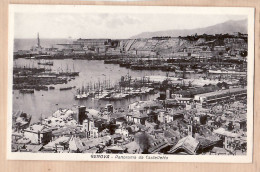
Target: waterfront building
<point>92,42</point>
<point>75,46</point>
<point>190,93</point>
<point>223,95</point>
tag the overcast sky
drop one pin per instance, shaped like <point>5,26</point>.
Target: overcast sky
<point>54,25</point>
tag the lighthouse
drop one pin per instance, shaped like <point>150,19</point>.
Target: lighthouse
<point>38,41</point>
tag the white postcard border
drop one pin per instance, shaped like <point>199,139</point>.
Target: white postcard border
<point>249,12</point>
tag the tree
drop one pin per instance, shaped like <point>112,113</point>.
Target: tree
<point>112,127</point>
<point>143,140</point>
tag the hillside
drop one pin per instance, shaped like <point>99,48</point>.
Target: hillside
<point>230,26</point>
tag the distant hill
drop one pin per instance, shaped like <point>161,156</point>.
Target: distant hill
<point>230,26</point>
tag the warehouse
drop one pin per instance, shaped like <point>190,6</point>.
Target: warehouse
<point>223,95</point>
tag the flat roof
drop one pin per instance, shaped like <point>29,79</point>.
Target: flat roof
<point>233,90</point>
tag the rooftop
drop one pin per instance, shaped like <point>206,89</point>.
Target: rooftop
<point>233,90</point>
<point>222,131</point>
<point>189,144</point>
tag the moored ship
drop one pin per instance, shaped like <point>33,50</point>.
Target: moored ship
<point>24,91</point>
<point>49,63</point>
<point>66,88</point>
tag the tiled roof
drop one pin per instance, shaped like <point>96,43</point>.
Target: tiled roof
<point>158,146</point>
<point>189,144</point>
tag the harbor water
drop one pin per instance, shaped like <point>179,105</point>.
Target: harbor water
<point>45,103</point>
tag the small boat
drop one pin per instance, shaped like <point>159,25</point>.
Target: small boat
<point>65,88</point>
<point>46,63</point>
<point>82,96</point>
<point>51,88</point>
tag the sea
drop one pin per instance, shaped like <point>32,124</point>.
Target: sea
<point>26,44</point>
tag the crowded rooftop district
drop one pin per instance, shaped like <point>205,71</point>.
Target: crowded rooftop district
<point>198,104</point>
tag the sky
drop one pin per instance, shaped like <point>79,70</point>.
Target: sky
<point>104,25</point>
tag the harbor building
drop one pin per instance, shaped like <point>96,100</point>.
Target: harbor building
<point>223,95</point>
<point>92,42</point>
